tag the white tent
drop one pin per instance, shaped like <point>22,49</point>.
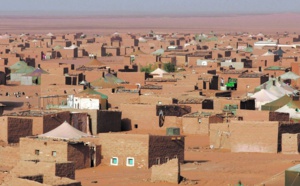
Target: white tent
<point>262,97</point>
<point>289,75</point>
<point>158,73</point>
<point>293,113</point>
<point>277,91</point>
<point>65,131</point>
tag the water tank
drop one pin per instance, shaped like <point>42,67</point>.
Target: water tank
<point>173,131</point>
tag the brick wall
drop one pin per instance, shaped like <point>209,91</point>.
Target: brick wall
<point>248,136</point>
<point>80,155</point>
<point>18,127</point>
<point>52,121</point>
<point>279,116</point>
<point>109,121</point>
<point>79,121</point>
<point>165,148</point>
<point>123,146</point>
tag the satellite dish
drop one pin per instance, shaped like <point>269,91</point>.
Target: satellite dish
<point>161,118</point>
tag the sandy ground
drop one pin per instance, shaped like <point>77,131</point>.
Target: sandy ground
<point>103,25</point>
<point>203,165</point>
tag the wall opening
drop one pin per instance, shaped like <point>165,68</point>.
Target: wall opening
<point>130,162</point>
<point>37,152</point>
<point>166,159</point>
<point>54,153</point>
<point>114,161</point>
<point>157,161</point>
<point>136,126</point>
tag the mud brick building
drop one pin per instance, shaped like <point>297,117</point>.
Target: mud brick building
<point>49,150</point>
<point>43,121</point>
<point>99,120</point>
<point>11,129</point>
<point>140,150</point>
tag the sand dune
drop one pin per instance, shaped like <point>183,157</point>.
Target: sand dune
<point>103,24</point>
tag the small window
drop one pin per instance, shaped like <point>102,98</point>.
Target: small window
<point>130,162</point>
<point>175,156</point>
<point>114,161</point>
<point>157,161</point>
<point>136,126</point>
<point>37,152</point>
<point>166,159</point>
<point>54,153</point>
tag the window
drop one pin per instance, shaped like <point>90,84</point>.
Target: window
<point>157,161</point>
<point>114,161</point>
<point>136,126</point>
<point>54,153</point>
<point>175,156</point>
<point>166,159</point>
<point>130,162</point>
<point>37,152</point>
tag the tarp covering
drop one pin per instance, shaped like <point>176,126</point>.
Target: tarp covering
<point>158,52</point>
<point>25,70</point>
<point>93,92</point>
<point>293,112</point>
<point>108,81</point>
<point>274,105</point>
<point>18,65</point>
<point>289,75</point>
<point>158,72</point>
<point>262,97</point>
<point>284,100</point>
<point>36,73</point>
<point>64,131</point>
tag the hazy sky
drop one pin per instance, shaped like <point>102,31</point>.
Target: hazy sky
<point>150,7</point>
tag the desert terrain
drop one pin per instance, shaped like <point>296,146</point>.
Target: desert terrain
<point>203,165</point>
<point>95,24</point>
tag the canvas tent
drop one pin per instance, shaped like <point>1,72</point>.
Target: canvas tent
<point>64,131</point>
<point>274,105</point>
<point>262,97</point>
<point>284,100</point>
<point>158,73</point>
<point>294,113</point>
<point>289,75</point>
